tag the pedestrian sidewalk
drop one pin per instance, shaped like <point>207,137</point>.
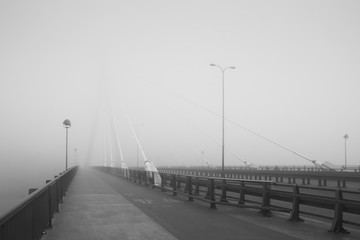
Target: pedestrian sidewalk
<point>93,210</point>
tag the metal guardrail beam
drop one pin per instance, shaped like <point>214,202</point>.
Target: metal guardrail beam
<point>340,177</point>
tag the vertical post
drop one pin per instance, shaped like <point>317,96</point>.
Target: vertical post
<point>265,206</point>
<point>337,225</point>
<point>223,192</point>
<point>50,208</point>
<point>163,181</point>
<point>223,124</point>
<point>66,158</point>
<point>242,193</point>
<point>66,125</point>
<point>296,205</point>
<point>223,113</point>
<point>197,188</point>
<point>174,185</point>
<point>345,137</point>
<point>212,193</point>
<point>190,189</point>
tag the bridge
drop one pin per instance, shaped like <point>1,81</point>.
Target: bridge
<point>114,203</point>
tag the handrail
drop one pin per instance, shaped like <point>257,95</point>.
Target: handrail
<point>339,178</point>
<point>226,190</point>
<point>28,219</point>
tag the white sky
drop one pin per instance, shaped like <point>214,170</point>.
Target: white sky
<point>296,80</point>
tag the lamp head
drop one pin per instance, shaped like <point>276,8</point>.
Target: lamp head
<point>67,123</point>
<point>233,67</point>
<point>346,136</point>
<point>213,65</point>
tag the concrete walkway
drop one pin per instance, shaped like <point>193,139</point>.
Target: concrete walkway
<point>93,210</point>
<point>101,206</point>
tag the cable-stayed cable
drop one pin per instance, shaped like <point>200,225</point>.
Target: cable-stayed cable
<point>243,127</point>
<point>247,163</point>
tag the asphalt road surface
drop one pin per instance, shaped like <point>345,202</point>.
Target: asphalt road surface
<point>166,216</point>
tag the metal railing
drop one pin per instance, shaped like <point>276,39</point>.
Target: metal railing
<point>29,219</point>
<point>304,177</point>
<point>340,206</point>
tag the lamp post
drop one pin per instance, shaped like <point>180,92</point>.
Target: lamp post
<point>66,125</point>
<point>223,113</point>
<point>345,137</point>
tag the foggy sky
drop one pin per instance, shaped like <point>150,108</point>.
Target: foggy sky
<point>296,81</point>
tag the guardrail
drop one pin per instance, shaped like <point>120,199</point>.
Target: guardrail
<point>29,219</point>
<point>310,177</point>
<point>340,206</point>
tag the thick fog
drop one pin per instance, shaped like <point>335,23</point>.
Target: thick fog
<point>296,82</point>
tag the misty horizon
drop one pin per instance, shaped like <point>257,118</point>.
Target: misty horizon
<point>296,82</point>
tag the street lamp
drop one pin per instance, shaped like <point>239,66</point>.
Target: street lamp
<point>223,113</point>
<point>345,137</point>
<point>66,125</point>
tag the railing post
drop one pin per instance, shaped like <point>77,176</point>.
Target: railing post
<point>139,174</point>
<point>265,206</point>
<point>178,186</point>
<point>223,192</point>
<point>50,204</point>
<point>212,193</point>
<point>190,189</point>
<point>294,216</point>
<point>153,180</point>
<point>174,185</point>
<point>197,189</point>
<point>61,187</point>
<point>242,193</point>
<point>163,181</point>
<point>337,225</point>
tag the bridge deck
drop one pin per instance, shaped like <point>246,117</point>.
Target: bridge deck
<point>101,206</point>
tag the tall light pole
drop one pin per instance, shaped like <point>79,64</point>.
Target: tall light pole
<point>345,137</point>
<point>223,113</point>
<point>66,125</point>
